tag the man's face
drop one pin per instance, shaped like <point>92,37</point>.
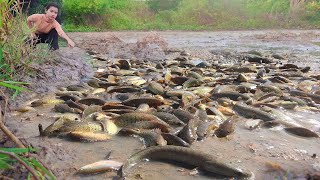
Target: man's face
<point>52,13</point>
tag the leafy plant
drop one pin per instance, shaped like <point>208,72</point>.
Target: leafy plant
<point>17,54</point>
<point>189,14</point>
<point>11,156</point>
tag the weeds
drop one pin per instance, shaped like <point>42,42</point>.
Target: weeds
<point>189,14</point>
<point>9,157</point>
<point>17,54</point>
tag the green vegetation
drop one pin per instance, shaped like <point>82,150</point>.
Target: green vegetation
<point>17,56</point>
<point>9,157</point>
<point>99,15</point>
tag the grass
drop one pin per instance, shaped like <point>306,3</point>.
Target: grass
<point>191,15</point>
<point>17,55</point>
<point>9,157</point>
<point>80,28</point>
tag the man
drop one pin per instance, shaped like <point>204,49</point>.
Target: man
<point>47,28</point>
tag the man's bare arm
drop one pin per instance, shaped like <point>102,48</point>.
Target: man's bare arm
<point>70,42</point>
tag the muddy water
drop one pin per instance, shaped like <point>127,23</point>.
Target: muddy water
<point>247,149</point>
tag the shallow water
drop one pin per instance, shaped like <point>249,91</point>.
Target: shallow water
<point>246,149</point>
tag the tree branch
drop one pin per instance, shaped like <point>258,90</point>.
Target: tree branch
<point>9,133</point>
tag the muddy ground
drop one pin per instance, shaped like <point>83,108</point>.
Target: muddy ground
<point>250,150</point>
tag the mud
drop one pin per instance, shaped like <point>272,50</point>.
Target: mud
<point>253,150</point>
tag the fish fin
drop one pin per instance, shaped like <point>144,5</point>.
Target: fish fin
<point>157,130</point>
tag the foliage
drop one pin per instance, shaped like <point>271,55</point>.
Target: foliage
<point>36,7</point>
<point>18,55</point>
<point>313,12</point>
<point>161,5</point>
<point>7,162</point>
<point>98,15</point>
<point>77,11</point>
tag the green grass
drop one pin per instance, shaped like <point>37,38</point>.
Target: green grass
<point>80,28</point>
<point>17,55</point>
<point>7,162</point>
<point>190,15</point>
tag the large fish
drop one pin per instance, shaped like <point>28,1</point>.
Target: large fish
<point>184,155</point>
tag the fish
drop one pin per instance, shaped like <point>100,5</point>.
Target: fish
<point>150,137</point>
<point>69,97</point>
<point>164,108</point>
<point>295,99</point>
<point>64,108</point>
<point>192,82</point>
<point>169,118</point>
<point>280,79</point>
<point>185,155</point>
<point>226,110</point>
<point>81,126</point>
<point>204,128</point>
<point>46,101</point>
<point>202,91</point>
<point>251,112</point>
<point>179,80</point>
<point>24,109</point>
<point>73,104</point>
<point>122,89</point>
<point>269,89</point>
<point>226,128</point>
<point>78,87</point>
<point>314,97</point>
<point>91,109</point>
<point>201,114</point>
<point>187,99</point>
<point>91,101</point>
<point>98,91</point>
<point>151,101</point>
<point>173,139</point>
<point>116,105</point>
<point>143,108</point>
<point>53,128</point>
<point>88,136</point>
<point>231,95</point>
<point>70,93</point>
<point>242,78</point>
<point>189,132</point>
<point>301,131</point>
<point>155,88</point>
<point>183,115</point>
<point>100,166</point>
<point>141,120</point>
<point>213,110</point>
<point>195,75</point>
<point>285,104</point>
<point>253,124</point>
<point>242,69</point>
<point>124,64</point>
<point>109,126</point>
<point>177,93</point>
<point>135,81</point>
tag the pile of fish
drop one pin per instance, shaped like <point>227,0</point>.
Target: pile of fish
<point>178,101</point>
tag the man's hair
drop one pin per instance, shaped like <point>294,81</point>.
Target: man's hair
<point>51,4</point>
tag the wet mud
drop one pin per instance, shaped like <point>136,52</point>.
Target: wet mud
<point>267,153</point>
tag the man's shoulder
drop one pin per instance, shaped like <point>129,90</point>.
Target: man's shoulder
<point>56,23</point>
<point>36,16</point>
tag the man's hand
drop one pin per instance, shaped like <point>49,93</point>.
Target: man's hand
<point>71,44</point>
